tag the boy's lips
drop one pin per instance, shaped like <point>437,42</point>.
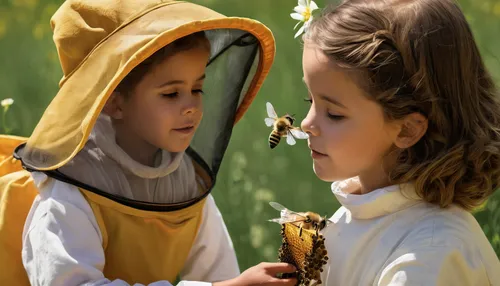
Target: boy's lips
<point>185,130</point>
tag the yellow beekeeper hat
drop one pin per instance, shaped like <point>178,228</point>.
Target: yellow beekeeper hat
<point>100,41</point>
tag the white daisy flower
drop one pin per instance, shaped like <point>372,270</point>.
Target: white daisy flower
<point>7,102</point>
<point>303,14</point>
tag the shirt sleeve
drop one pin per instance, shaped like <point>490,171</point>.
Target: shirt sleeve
<point>434,266</point>
<point>212,257</point>
<point>62,243</point>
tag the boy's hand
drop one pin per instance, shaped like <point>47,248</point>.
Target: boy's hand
<point>263,274</point>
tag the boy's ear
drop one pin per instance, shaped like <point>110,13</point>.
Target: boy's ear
<point>413,128</point>
<point>114,106</point>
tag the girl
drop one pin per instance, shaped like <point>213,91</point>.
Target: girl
<point>122,196</point>
<point>405,119</point>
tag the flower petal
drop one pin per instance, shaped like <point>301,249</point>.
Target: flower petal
<point>7,102</point>
<point>297,16</point>
<point>299,9</point>
<point>313,6</point>
<point>302,3</point>
<point>296,25</point>
<point>308,22</point>
<point>300,31</point>
<point>306,25</point>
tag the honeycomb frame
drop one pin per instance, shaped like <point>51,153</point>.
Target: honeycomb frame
<point>305,251</point>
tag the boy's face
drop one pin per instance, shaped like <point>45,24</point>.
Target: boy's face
<point>165,108</point>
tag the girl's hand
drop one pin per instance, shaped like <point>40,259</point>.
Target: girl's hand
<point>263,274</point>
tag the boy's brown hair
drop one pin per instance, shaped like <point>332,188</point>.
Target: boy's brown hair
<point>191,41</point>
<point>420,56</point>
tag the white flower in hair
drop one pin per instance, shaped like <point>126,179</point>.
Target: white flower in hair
<point>303,13</point>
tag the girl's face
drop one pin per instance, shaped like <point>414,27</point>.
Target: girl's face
<point>165,108</point>
<point>348,134</point>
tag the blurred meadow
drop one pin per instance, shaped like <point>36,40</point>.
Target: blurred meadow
<point>251,174</point>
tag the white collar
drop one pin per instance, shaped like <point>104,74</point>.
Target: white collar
<point>103,135</point>
<point>376,203</point>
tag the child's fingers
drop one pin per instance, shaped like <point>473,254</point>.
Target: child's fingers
<point>281,267</point>
<point>284,282</point>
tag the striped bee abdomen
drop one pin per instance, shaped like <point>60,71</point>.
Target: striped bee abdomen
<point>274,139</point>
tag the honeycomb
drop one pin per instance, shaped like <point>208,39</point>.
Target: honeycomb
<point>306,252</point>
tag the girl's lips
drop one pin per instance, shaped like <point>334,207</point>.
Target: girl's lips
<point>317,155</point>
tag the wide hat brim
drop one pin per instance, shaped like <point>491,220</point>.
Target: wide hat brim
<point>67,122</point>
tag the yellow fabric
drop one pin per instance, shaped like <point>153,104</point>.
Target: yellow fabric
<point>170,234</point>
<point>99,42</point>
<point>17,192</point>
<point>167,235</point>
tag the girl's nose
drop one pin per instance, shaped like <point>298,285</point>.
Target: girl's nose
<point>309,124</point>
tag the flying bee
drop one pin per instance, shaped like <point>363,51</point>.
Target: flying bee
<point>282,127</point>
<point>307,220</point>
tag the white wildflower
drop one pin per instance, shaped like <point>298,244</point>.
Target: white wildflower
<point>303,13</point>
<point>7,102</point>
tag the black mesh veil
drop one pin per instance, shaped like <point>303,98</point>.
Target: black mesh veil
<point>234,53</point>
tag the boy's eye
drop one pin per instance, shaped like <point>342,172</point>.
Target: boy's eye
<point>308,99</point>
<point>170,95</point>
<point>197,91</point>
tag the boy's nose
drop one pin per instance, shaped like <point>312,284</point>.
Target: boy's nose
<point>192,106</point>
<point>189,109</point>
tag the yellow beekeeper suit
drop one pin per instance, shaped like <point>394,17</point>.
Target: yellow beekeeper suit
<point>152,240</point>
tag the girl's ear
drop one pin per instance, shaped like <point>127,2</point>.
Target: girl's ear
<point>413,128</point>
<point>114,105</point>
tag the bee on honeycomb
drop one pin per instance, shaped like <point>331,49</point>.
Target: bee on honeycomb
<point>302,244</point>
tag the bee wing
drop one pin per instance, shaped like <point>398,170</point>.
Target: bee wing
<point>277,206</point>
<point>286,215</point>
<point>270,110</point>
<point>283,220</point>
<point>269,121</point>
<point>278,220</point>
<point>289,139</point>
<point>298,133</point>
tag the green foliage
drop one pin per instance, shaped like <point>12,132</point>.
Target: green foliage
<point>251,174</point>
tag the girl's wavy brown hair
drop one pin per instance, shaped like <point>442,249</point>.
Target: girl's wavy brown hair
<point>420,56</point>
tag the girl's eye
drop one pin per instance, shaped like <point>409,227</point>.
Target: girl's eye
<point>308,99</point>
<point>198,91</point>
<point>170,95</point>
<point>336,117</point>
